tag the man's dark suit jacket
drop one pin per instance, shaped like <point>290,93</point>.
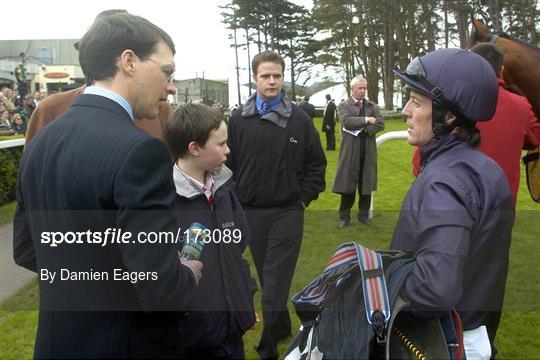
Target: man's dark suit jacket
<point>93,169</point>
<point>308,109</point>
<point>329,117</point>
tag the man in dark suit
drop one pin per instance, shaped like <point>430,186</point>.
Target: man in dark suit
<point>91,176</point>
<point>329,123</point>
<point>307,107</point>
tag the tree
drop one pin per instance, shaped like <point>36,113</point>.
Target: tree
<point>279,25</point>
<point>295,42</point>
<point>230,19</point>
<point>363,37</point>
<point>334,20</point>
<point>389,56</point>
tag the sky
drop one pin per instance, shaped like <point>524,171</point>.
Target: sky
<point>201,39</point>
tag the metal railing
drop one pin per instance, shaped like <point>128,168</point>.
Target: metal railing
<point>4,144</point>
<point>380,140</point>
<point>391,135</point>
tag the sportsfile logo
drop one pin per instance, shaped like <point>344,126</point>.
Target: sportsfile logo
<point>119,236</point>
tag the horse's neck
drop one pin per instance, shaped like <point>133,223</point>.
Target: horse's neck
<point>530,88</point>
<point>520,57</point>
<point>521,69</point>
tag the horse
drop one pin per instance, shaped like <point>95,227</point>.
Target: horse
<point>522,71</point>
<point>521,62</point>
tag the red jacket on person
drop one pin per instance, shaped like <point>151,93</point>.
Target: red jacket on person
<point>513,128</point>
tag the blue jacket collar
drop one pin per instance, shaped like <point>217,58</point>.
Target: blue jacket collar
<point>437,146</point>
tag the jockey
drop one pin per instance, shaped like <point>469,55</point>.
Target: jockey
<point>458,215</point>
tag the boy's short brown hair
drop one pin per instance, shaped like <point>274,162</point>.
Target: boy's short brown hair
<point>190,122</point>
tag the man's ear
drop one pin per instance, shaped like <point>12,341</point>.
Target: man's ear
<point>127,61</point>
<point>254,77</point>
<point>194,148</point>
<point>449,117</point>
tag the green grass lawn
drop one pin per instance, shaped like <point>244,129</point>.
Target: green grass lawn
<point>519,333</point>
<point>11,137</point>
<point>6,213</point>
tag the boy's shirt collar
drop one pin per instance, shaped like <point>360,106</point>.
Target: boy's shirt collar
<point>204,189</point>
<point>185,189</point>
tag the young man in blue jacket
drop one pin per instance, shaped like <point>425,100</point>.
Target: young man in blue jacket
<point>223,306</point>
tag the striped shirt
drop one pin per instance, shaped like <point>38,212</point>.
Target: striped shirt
<point>109,94</point>
<point>207,188</point>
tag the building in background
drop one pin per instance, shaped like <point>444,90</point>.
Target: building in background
<point>51,65</point>
<point>200,90</point>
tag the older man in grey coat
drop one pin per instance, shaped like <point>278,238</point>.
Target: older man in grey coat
<point>357,164</point>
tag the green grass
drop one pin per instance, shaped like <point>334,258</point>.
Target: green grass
<point>6,212</point>
<point>18,323</point>
<point>518,336</point>
<point>11,137</point>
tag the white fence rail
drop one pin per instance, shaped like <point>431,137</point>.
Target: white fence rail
<point>380,140</point>
<point>391,135</point>
<point>11,143</point>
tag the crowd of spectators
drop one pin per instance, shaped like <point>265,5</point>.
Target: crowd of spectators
<point>15,110</point>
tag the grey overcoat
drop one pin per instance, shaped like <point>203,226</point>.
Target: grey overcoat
<point>347,170</point>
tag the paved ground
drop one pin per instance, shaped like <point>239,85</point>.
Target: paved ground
<point>12,276</point>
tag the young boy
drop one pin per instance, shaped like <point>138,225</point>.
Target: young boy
<point>223,305</point>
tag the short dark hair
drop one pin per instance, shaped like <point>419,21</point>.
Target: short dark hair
<point>328,97</point>
<point>190,122</point>
<point>492,54</point>
<point>267,56</point>
<point>111,35</point>
<point>110,12</point>
<point>102,14</point>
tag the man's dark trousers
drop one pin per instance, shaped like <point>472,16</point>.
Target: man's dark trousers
<point>364,201</point>
<point>330,139</point>
<point>276,236</point>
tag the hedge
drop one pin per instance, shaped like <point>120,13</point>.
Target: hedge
<point>9,160</point>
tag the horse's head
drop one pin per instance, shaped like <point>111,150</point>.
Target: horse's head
<point>479,33</point>
<point>521,72</point>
